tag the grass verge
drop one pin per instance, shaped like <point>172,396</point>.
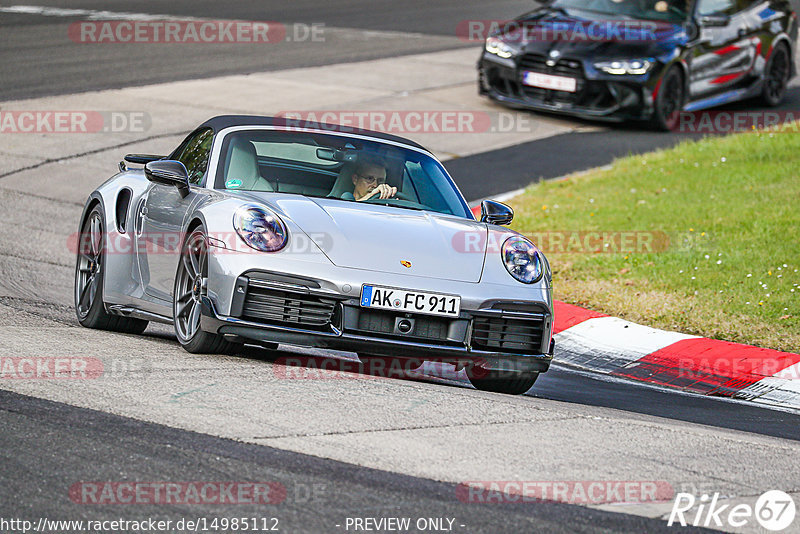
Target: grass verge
<point>703,238</point>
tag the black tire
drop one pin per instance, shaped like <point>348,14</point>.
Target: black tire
<point>508,382</point>
<point>776,77</point>
<point>669,101</point>
<point>89,276</point>
<point>190,286</point>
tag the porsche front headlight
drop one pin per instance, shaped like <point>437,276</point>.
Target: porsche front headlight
<point>260,228</point>
<point>522,260</point>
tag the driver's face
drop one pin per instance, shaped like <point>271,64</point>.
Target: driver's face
<point>367,179</point>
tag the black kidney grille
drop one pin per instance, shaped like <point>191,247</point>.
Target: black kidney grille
<point>563,67</point>
<point>533,62</point>
<point>288,308</point>
<point>501,334</point>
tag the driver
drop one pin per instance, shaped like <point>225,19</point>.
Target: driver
<point>662,6</point>
<point>369,181</point>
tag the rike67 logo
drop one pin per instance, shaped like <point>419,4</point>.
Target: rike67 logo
<point>774,511</point>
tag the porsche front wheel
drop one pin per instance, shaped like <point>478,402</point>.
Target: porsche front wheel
<point>508,382</point>
<point>190,287</point>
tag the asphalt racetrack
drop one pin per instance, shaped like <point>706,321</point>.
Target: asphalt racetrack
<point>354,447</point>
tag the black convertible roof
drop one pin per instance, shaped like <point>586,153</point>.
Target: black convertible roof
<point>221,122</point>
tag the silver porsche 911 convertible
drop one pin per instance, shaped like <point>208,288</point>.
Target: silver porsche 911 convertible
<point>256,231</point>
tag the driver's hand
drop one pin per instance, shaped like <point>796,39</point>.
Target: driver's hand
<point>384,190</point>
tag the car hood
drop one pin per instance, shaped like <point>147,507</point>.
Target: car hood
<point>642,38</point>
<point>381,238</point>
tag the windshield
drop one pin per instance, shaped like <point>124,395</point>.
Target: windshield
<point>337,167</point>
<point>666,10</point>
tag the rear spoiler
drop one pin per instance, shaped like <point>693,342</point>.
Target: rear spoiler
<point>142,159</point>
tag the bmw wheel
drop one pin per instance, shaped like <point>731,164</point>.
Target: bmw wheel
<point>776,76</point>
<point>669,101</point>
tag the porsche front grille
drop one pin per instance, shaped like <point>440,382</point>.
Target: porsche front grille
<point>426,328</point>
<point>287,308</point>
<point>504,334</point>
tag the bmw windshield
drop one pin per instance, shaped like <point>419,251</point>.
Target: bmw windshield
<point>676,11</point>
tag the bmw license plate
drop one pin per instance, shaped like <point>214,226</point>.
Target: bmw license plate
<point>404,300</point>
<point>548,81</point>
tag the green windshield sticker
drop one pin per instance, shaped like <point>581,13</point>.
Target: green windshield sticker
<point>233,184</point>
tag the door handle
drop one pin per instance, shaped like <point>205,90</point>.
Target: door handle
<point>140,213</point>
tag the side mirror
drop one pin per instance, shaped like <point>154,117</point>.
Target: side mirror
<point>496,213</point>
<point>168,172</point>
<point>715,21</point>
<point>692,29</point>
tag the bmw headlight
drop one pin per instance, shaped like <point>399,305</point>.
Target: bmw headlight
<point>260,228</point>
<point>499,48</point>
<point>522,260</point>
<point>625,66</point>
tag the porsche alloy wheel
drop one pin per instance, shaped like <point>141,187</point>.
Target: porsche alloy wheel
<point>89,276</point>
<point>190,288</point>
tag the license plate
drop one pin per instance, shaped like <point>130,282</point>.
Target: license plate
<point>404,300</point>
<point>548,81</point>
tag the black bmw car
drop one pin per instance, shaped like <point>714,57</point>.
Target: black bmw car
<point>641,59</point>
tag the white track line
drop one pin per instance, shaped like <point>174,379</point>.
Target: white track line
<point>89,14</point>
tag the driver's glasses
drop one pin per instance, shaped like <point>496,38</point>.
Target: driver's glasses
<point>373,179</point>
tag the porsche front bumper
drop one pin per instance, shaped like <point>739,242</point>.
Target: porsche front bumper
<point>268,307</point>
